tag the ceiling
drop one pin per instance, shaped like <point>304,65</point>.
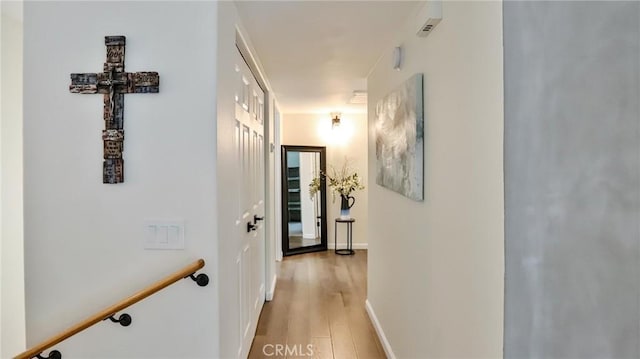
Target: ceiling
<point>12,9</point>
<point>316,53</point>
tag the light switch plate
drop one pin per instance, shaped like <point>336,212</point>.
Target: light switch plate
<point>164,234</point>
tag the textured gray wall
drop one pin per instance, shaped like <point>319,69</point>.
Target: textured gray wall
<point>572,179</point>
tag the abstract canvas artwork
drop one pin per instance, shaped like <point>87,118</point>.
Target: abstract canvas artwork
<point>400,140</point>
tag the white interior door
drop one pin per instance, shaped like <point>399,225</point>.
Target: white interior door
<point>249,140</point>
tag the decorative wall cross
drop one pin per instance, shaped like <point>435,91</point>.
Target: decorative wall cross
<point>114,82</point>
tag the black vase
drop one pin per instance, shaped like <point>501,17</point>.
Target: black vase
<point>346,202</point>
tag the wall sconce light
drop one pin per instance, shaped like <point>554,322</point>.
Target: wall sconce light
<point>335,119</point>
<point>339,132</point>
<point>397,58</point>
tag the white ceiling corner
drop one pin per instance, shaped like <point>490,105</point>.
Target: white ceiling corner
<point>12,9</point>
<point>317,53</point>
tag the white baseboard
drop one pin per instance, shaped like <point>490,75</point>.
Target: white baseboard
<point>376,324</point>
<point>344,245</point>
<point>272,289</point>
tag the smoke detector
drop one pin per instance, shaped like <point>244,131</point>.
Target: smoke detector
<point>432,13</point>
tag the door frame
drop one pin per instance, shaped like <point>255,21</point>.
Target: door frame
<point>269,199</point>
<point>277,188</point>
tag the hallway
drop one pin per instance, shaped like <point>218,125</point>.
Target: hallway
<point>319,301</point>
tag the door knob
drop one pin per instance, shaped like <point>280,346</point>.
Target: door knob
<point>251,227</point>
<point>256,219</point>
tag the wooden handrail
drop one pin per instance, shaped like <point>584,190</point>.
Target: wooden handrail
<point>110,311</point>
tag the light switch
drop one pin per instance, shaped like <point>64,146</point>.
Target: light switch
<point>151,233</point>
<point>173,234</point>
<point>163,234</point>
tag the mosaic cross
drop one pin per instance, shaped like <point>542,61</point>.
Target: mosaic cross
<point>113,83</point>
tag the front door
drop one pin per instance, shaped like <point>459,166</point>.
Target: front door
<point>249,140</point>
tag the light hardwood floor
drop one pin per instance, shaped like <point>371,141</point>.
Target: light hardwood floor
<point>318,310</point>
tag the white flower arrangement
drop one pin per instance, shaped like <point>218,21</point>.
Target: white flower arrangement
<point>341,182</point>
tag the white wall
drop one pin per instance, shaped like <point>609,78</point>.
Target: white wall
<point>307,205</point>
<point>572,185</point>
<point>442,258</point>
<point>271,209</point>
<point>84,239</point>
<point>315,130</point>
<point>12,320</point>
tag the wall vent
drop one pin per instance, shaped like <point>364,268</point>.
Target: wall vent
<point>433,14</point>
<point>427,28</point>
<point>358,98</point>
